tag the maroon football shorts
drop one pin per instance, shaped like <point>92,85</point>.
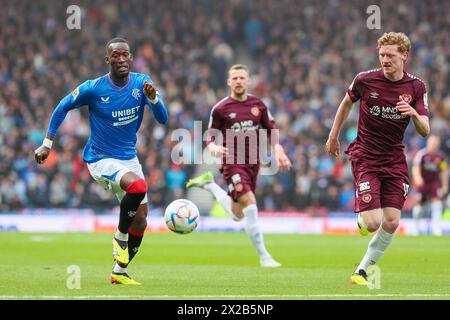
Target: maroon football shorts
<point>240,179</point>
<point>380,186</point>
<point>428,191</point>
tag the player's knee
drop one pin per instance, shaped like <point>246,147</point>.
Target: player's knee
<point>373,226</point>
<point>239,215</point>
<point>390,225</point>
<point>138,186</point>
<point>373,223</point>
<point>372,220</point>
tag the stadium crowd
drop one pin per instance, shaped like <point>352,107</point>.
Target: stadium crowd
<point>303,55</point>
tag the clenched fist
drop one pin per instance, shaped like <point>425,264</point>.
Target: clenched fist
<point>149,91</point>
<point>41,154</point>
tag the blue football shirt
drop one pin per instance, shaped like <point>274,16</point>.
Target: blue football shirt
<point>115,115</point>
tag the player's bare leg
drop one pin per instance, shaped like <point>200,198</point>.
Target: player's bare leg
<point>380,241</point>
<point>237,211</point>
<point>128,207</point>
<point>206,181</point>
<point>247,204</point>
<point>245,207</point>
<point>368,221</point>
<point>136,189</point>
<point>135,236</point>
<point>137,230</point>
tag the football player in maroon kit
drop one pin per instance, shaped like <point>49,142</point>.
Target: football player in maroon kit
<point>240,116</point>
<point>430,178</point>
<point>389,98</point>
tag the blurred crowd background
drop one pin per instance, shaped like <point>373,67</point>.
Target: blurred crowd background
<point>303,55</point>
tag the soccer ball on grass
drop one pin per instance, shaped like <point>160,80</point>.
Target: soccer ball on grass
<point>182,216</point>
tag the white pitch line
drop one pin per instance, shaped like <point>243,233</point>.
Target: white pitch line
<point>382,295</point>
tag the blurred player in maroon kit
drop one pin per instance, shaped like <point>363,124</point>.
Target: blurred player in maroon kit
<point>389,98</point>
<point>430,178</point>
<point>241,116</point>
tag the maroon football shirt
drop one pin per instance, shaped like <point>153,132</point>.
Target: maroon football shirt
<point>240,123</point>
<point>431,166</point>
<point>381,126</point>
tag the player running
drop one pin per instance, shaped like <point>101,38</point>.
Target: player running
<point>116,107</point>
<point>430,177</point>
<point>241,115</point>
<point>389,98</point>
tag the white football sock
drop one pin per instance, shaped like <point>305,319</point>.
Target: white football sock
<point>119,269</point>
<point>436,212</point>
<point>221,196</point>
<point>254,231</point>
<point>121,236</point>
<point>416,213</point>
<point>377,246</point>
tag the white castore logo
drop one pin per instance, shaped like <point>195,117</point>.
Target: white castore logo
<point>363,186</point>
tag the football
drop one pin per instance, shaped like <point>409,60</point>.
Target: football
<point>182,216</point>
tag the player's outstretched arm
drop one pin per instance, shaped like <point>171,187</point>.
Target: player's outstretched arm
<point>332,146</point>
<point>417,176</point>
<point>58,116</point>
<point>41,153</point>
<point>283,161</point>
<point>268,122</point>
<point>444,179</point>
<point>73,100</point>
<point>214,132</point>
<point>155,102</point>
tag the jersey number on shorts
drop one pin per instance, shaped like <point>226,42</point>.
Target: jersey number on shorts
<point>405,189</point>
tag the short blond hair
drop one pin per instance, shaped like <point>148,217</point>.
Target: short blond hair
<point>239,67</point>
<point>399,38</point>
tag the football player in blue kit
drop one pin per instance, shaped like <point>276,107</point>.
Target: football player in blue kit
<point>116,103</point>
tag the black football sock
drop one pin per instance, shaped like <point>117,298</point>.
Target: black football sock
<point>134,242</point>
<point>128,207</point>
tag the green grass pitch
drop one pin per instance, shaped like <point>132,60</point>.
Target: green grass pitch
<point>220,266</point>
